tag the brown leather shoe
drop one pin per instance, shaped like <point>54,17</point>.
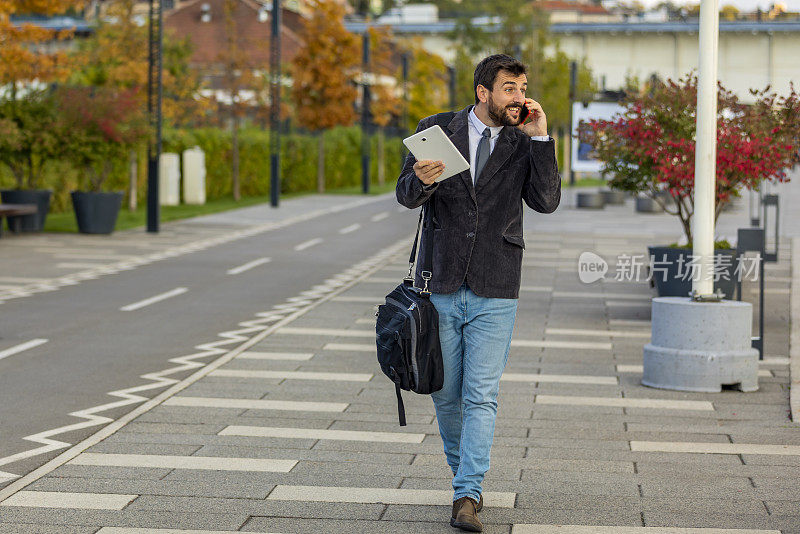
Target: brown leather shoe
<point>465,515</point>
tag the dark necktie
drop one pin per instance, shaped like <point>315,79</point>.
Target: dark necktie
<point>483,153</point>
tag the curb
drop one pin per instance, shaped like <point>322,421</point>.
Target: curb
<point>794,339</point>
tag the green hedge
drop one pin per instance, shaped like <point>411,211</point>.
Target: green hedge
<point>298,163</point>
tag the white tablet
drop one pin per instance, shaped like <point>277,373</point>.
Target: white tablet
<point>432,143</point>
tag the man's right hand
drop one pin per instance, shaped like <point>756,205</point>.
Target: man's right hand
<point>428,170</point>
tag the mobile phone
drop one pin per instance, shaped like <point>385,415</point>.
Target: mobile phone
<point>524,113</point>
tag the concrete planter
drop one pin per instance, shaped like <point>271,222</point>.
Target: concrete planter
<point>615,198</point>
<point>96,213</point>
<point>40,197</point>
<point>647,205</point>
<point>669,281</point>
<point>593,201</point>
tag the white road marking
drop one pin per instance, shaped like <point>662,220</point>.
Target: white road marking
<point>79,265</point>
<point>629,322</point>
<point>366,321</point>
<point>523,528</point>
<point>536,289</point>
<point>382,496</point>
<point>380,216</point>
<point>210,463</point>
<point>532,343</point>
<point>603,333</point>
<point>640,369</point>
<point>134,530</point>
<point>294,356</point>
<point>620,402</point>
<point>21,347</point>
<point>152,300</point>
<point>628,303</point>
<point>715,448</point>
<point>316,433</point>
<point>383,280</point>
<point>248,266</point>
<point>90,256</point>
<point>334,332</point>
<point>590,295</point>
<point>291,375</point>
<point>370,300</point>
<point>350,347</point>
<point>308,244</point>
<point>351,228</point>
<point>256,404</point>
<point>57,499</point>
<point>565,379</point>
<point>20,280</point>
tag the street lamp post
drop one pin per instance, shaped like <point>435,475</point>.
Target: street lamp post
<point>275,105</point>
<point>154,96</point>
<point>365,113</point>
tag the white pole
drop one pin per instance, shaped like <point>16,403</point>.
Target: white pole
<point>706,150</point>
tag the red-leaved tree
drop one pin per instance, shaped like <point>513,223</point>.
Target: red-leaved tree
<point>650,147</point>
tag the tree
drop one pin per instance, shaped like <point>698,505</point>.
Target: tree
<point>28,139</point>
<point>116,56</point>
<point>729,12</point>
<point>21,57</point>
<point>98,126</point>
<point>650,147</point>
<point>427,93</point>
<point>386,105</point>
<point>323,70</point>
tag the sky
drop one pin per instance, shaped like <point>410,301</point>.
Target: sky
<point>743,5</point>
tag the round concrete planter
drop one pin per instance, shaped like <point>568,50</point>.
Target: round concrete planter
<point>615,198</point>
<point>647,205</point>
<point>592,201</point>
<point>40,197</point>
<point>700,346</point>
<point>96,213</point>
<point>669,281</point>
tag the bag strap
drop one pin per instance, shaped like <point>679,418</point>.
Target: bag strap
<point>401,410</point>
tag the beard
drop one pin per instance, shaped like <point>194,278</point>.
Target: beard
<point>500,115</point>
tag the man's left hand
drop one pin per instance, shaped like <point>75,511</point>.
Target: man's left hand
<point>537,120</point>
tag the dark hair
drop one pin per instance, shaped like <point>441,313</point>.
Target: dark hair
<point>487,69</point>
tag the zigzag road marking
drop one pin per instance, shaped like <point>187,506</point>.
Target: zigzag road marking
<point>203,244</point>
<point>252,331</point>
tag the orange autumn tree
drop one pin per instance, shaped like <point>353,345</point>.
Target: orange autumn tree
<point>323,70</point>
<point>386,105</point>
<point>116,56</point>
<point>26,54</point>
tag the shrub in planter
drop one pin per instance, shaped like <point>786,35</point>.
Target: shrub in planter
<point>650,149</point>
<point>99,126</point>
<point>28,141</point>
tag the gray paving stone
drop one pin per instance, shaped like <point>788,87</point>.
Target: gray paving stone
<point>198,519</point>
<point>217,485</point>
<point>170,449</point>
<point>133,473</point>
<point>708,519</point>
<point>305,525</point>
<point>22,528</point>
<point>335,455</point>
<point>249,507</point>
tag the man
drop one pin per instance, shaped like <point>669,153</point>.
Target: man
<point>475,222</point>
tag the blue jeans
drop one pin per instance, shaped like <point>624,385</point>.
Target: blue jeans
<point>475,334</point>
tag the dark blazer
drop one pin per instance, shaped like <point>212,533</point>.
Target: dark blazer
<point>477,231</point>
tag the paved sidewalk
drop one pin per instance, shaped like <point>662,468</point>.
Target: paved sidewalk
<point>297,432</point>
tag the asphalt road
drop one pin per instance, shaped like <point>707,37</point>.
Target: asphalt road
<point>95,347</point>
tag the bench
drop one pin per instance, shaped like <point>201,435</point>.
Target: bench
<point>13,210</point>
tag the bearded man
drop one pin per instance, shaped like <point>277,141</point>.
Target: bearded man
<point>475,222</point>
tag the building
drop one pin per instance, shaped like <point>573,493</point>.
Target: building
<point>751,54</point>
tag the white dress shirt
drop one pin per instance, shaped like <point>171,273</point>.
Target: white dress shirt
<point>476,128</point>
